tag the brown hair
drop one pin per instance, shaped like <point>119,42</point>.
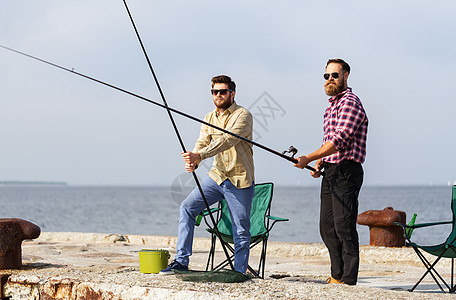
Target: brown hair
<point>224,79</point>
<point>341,62</point>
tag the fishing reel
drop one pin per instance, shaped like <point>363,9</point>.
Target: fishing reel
<point>291,150</point>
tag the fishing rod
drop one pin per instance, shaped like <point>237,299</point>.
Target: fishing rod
<point>176,130</point>
<point>280,154</point>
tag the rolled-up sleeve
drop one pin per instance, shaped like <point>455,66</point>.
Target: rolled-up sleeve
<point>350,117</point>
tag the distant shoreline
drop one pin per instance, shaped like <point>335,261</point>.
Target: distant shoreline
<point>18,182</point>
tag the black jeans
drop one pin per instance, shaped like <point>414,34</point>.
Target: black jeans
<point>338,213</point>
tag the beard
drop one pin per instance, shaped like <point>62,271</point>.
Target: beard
<point>334,89</point>
<point>223,105</point>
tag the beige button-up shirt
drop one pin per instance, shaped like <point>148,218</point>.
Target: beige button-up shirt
<point>233,157</point>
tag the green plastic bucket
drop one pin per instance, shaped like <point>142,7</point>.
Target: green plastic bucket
<point>153,260</point>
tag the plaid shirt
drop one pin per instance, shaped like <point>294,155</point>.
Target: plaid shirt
<point>345,126</point>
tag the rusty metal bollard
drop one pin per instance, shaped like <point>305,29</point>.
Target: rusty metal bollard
<point>12,233</point>
<point>382,230</point>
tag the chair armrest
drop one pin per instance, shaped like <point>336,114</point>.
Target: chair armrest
<point>408,229</point>
<point>422,224</point>
<point>429,224</point>
<point>277,219</point>
<point>204,213</point>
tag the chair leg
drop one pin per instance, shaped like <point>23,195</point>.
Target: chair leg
<point>225,262</point>
<point>255,273</point>
<point>428,266</point>
<point>262,264</point>
<point>453,288</point>
<point>212,255</point>
<point>258,273</point>
<point>210,259</point>
<point>431,270</point>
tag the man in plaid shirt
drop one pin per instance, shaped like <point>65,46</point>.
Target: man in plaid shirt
<point>341,155</point>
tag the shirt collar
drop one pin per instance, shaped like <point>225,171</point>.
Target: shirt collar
<point>230,109</point>
<point>340,95</point>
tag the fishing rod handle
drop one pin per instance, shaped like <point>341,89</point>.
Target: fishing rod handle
<point>294,160</point>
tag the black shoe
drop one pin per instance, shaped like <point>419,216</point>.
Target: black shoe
<point>174,265</point>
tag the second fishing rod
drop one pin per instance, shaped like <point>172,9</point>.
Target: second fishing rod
<point>176,130</point>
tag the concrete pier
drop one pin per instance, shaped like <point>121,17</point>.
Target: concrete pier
<point>106,266</point>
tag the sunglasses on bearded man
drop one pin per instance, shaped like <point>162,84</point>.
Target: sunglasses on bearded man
<point>222,92</point>
<point>334,75</point>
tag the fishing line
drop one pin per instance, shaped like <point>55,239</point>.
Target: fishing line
<point>176,130</point>
<point>289,158</point>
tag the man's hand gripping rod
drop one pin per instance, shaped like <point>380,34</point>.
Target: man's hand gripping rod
<point>291,158</point>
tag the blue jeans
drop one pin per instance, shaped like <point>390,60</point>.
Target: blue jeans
<point>239,204</point>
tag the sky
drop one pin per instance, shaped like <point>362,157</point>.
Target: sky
<point>56,126</point>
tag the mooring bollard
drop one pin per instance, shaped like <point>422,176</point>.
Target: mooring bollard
<point>382,230</point>
<point>12,233</point>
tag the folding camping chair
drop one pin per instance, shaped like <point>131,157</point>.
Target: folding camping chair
<point>446,249</point>
<point>261,223</point>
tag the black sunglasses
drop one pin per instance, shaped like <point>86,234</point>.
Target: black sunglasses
<point>222,92</point>
<point>334,75</point>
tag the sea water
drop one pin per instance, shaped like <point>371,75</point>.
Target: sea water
<point>152,210</point>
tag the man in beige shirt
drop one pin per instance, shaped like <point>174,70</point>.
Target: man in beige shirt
<point>231,176</point>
